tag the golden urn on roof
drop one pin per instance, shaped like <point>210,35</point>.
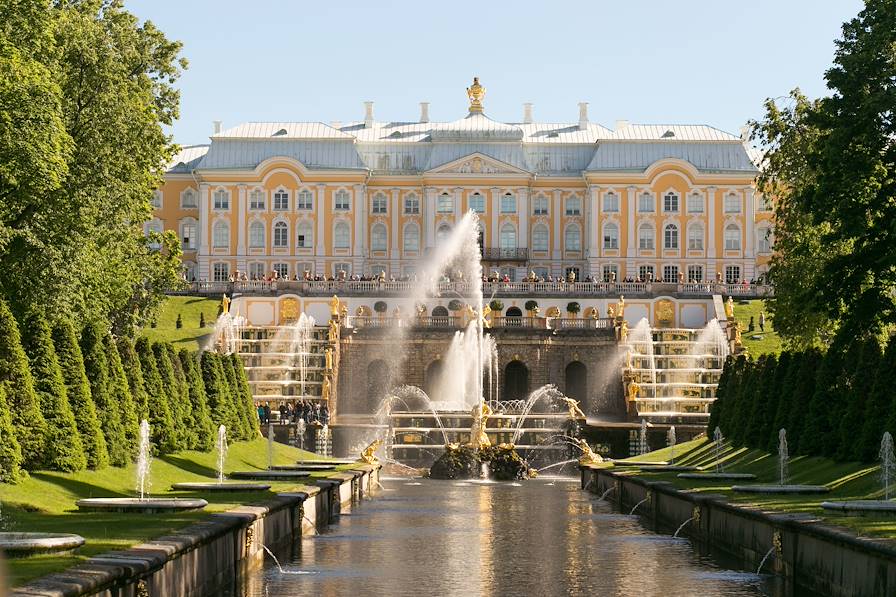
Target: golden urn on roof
<point>476,92</point>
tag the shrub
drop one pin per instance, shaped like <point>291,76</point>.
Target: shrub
<point>180,322</point>
<point>878,415</point>
<point>187,422</point>
<point>240,424</point>
<point>15,374</point>
<point>247,405</point>
<point>496,306</point>
<point>455,305</point>
<point>71,361</point>
<point>170,393</point>
<point>10,451</point>
<point>97,369</point>
<point>531,305</point>
<point>201,319</point>
<point>205,432</point>
<point>380,306</point>
<point>573,307</point>
<point>120,389</point>
<point>134,373</point>
<point>159,412</point>
<point>64,450</point>
<point>216,391</point>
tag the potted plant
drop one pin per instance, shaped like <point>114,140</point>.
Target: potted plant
<point>496,306</point>
<point>380,307</point>
<point>573,309</point>
<point>455,305</point>
<point>532,308</point>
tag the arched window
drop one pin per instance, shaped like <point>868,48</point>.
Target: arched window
<point>304,235</point>
<point>508,237</point>
<point>646,237</point>
<point>695,237</point>
<point>670,236</point>
<point>342,200</point>
<point>411,204</point>
<point>540,238</point>
<point>256,235</point>
<point>732,203</point>
<point>611,202</point>
<point>379,203</point>
<point>732,237</point>
<point>477,203</point>
<point>611,236</point>
<point>341,236</point>
<point>572,239</point>
<point>764,240</point>
<point>670,203</point>
<point>446,204</point>
<point>189,200</point>
<point>281,200</point>
<point>508,203</point>
<point>221,200</point>
<point>281,235</point>
<point>443,233</point>
<point>411,238</point>
<point>540,206</point>
<point>221,235</point>
<point>378,236</point>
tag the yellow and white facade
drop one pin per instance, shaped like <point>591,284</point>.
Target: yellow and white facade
<point>675,202</point>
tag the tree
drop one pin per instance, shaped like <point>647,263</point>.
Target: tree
<point>715,409</point>
<point>732,396</point>
<point>819,436</point>
<point>64,450</point>
<point>217,392</point>
<point>861,383</point>
<point>241,424</point>
<point>182,396</point>
<point>161,422</point>
<point>767,439</point>
<point>878,417</point>
<point>790,371</point>
<point>109,410</point>
<point>761,397</point>
<point>120,389</point>
<point>10,452</point>
<point>134,373</point>
<point>801,399</point>
<point>746,390</point>
<point>171,394</point>
<point>205,431</point>
<point>15,375</point>
<point>249,412</point>
<point>77,388</point>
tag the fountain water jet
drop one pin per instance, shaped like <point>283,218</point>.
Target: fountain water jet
<point>884,506</point>
<point>647,499</point>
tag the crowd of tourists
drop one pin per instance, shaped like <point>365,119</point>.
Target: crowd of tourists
<point>306,410</point>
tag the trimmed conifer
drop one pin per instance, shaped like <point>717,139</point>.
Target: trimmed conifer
<point>790,370</point>
<point>109,411</point>
<point>715,409</point>
<point>852,421</point>
<point>15,374</point>
<point>134,372</point>
<point>159,411</point>
<point>71,362</point>
<point>240,423</point>
<point>745,395</point>
<point>205,431</point>
<point>879,416</point>
<point>182,395</point>
<point>10,452</point>
<point>121,392</point>
<point>247,404</point>
<point>773,403</point>
<point>64,450</point>
<point>754,435</point>
<point>217,392</point>
<point>171,393</point>
<point>732,389</point>
<point>819,437</point>
<point>801,399</point>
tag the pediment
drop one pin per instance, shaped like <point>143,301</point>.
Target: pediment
<point>477,163</point>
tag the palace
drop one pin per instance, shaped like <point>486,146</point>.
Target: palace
<point>672,203</point>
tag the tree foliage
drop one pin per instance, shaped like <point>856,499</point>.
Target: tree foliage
<point>109,410</point>
<point>164,436</point>
<point>205,430</point>
<point>119,388</point>
<point>10,452</point>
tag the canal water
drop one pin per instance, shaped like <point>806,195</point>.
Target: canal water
<point>543,537</point>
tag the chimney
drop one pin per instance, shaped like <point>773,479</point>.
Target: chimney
<point>583,116</point>
<point>527,113</point>
<point>621,124</point>
<point>424,111</point>
<point>368,115</point>
<point>217,126</point>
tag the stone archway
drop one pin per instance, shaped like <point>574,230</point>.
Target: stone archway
<point>439,311</point>
<point>513,312</point>
<point>575,379</point>
<point>378,383</point>
<point>516,381</point>
<point>432,378</point>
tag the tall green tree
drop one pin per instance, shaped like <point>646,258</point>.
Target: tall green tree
<point>248,413</point>
<point>239,424</point>
<point>715,409</point>
<point>182,395</point>
<point>755,434</point>
<point>876,418</point>
<point>774,402</point>
<point>789,371</point>
<point>71,361</point>
<point>10,452</point>
<point>205,430</point>
<point>855,408</point>
<point>15,375</point>
<point>108,409</point>
<point>801,399</point>
<point>64,450</point>
<point>161,421</point>
<point>820,436</point>
<point>134,372</point>
<point>218,392</point>
<point>171,393</point>
<point>120,390</point>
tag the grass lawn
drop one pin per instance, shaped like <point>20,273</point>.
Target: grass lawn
<point>847,481</point>
<point>767,342</point>
<point>189,307</point>
<point>45,502</point>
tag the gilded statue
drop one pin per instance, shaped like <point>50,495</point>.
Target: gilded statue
<point>573,405</point>
<point>225,305</point>
<point>611,312</point>
<point>588,456</point>
<point>620,306</point>
<point>729,308</point>
<point>334,332</point>
<point>325,388</point>
<point>633,390</point>
<point>334,307</point>
<point>476,92</point>
<point>368,454</point>
<point>486,311</point>
<point>623,331</point>
<point>738,341</point>
<point>478,437</point>
<point>328,355</point>
<point>343,311</point>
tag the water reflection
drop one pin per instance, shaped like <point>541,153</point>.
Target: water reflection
<point>543,538</point>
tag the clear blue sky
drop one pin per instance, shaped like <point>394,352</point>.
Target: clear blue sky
<point>693,61</point>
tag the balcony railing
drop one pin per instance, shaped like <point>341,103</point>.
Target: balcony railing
<point>497,254</point>
<point>453,322</point>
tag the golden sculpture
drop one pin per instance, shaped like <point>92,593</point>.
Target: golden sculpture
<point>738,341</point>
<point>452,447</point>
<point>334,332</point>
<point>478,437</point>
<point>334,307</point>
<point>611,312</point>
<point>665,313</point>
<point>325,388</point>
<point>588,456</point>
<point>476,92</point>
<point>368,455</point>
<point>343,311</point>
<point>729,308</point>
<point>620,306</point>
<point>289,310</point>
<point>573,405</point>
<point>633,390</point>
<point>225,305</point>
<point>328,355</point>
<point>623,331</point>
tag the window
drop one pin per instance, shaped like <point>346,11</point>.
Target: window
<point>282,270</point>
<point>477,203</point>
<point>412,204</point>
<point>510,272</point>
<point>304,266</point>
<point>305,200</point>
<point>256,199</point>
<point>377,269</point>
<point>304,235</point>
<point>256,271</point>
<point>508,204</point>
<point>764,244</point>
<point>695,237</point>
<point>281,200</point>
<point>732,274</point>
<point>695,273</point>
<point>646,204</point>
<point>446,204</point>
<point>508,237</point>
<point>189,269</point>
<point>378,236</point>
<point>222,199</point>
<point>540,238</point>
<point>188,235</point>
<point>281,235</point>
<point>611,236</point>
<point>670,203</point>
<point>645,272</point>
<point>411,238</point>
<point>541,272</point>
<point>573,206</point>
<point>443,233</point>
<point>670,274</point>
<point>763,203</point>
<point>221,272</point>
<point>670,237</point>
<point>732,237</point>
<point>154,226</point>
<point>573,270</point>
<point>611,202</point>
<point>342,268</point>
<point>189,200</point>
<point>379,203</point>
<point>342,202</point>
<point>611,272</point>
<point>156,200</point>
<point>732,204</point>
<point>573,239</point>
<point>695,203</point>
<point>341,236</point>
<point>646,237</point>
<point>540,206</point>
<point>256,235</point>
<point>221,235</point>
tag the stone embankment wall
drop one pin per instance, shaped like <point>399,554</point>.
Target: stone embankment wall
<point>213,555</point>
<point>811,556</point>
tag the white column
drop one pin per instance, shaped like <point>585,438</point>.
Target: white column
<point>495,213</point>
<point>429,217</point>
<point>523,211</point>
<point>241,230</point>
<point>711,223</point>
<point>319,236</point>
<point>359,242</point>
<point>558,216</point>
<point>204,230</point>
<point>396,202</point>
<point>458,195</point>
<point>631,251</point>
<point>750,234</point>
